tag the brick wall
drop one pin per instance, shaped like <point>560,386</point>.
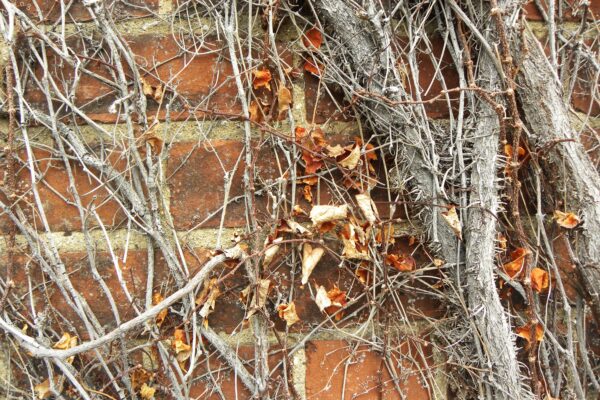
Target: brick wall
<point>202,134</point>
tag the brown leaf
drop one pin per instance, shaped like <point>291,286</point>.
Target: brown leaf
<point>310,258</point>
<point>312,39</point>
<point>385,235</point>
<point>334,151</point>
<point>451,218</point>
<point>208,297</point>
<point>42,390</point>
<point>256,113</point>
<point>288,313</point>
<point>338,300</point>
<point>539,280</point>
<point>160,317</point>
<point>308,193</point>
<point>139,376</point>
<point>353,238</point>
<point>66,342</point>
<point>402,262</point>
<point>284,99</point>
<point>262,78</point>
<point>316,70</point>
<point>313,162</point>
<point>566,220</point>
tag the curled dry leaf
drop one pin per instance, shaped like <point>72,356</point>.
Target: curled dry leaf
<point>368,207</point>
<point>180,347</point>
<point>160,317</point>
<point>351,160</point>
<point>299,211</point>
<point>284,98</point>
<point>271,251</point>
<point>66,342</point>
<point>147,392</point>
<point>402,262</point>
<point>385,235</point>
<point>515,266</point>
<point>331,301</point>
<point>288,313</point>
<point>208,297</point>
<point>262,78</point>
<point>334,151</point>
<point>525,332</point>
<point>313,162</point>
<point>310,259</point>
<point>312,39</point>
<point>42,390</point>
<point>259,297</point>
<point>353,238</point>
<point>296,228</point>
<point>567,220</point>
<point>256,114</point>
<point>320,214</point>
<point>139,376</point>
<point>539,280</point>
<point>451,218</point>
<point>307,192</point>
<point>316,70</point>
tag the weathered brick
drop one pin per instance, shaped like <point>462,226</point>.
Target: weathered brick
<point>49,11</point>
<point>337,370</point>
<point>322,105</point>
<point>56,197</point>
<point>49,298</point>
<point>571,12</point>
<point>224,378</point>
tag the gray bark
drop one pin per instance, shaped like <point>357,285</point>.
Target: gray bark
<point>365,48</point>
<point>493,330</point>
<point>563,159</point>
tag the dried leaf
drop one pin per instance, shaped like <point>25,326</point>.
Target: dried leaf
<point>402,262</point>
<point>147,392</point>
<point>210,294</point>
<point>310,258</point>
<point>351,161</point>
<point>323,301</point>
<point>66,342</point>
<point>539,280</point>
<point>438,262</point>
<point>353,238</point>
<point>180,347</point>
<point>42,390</point>
<point>338,300</point>
<point>313,162</point>
<point>160,317</point>
<point>147,88</point>
<point>385,235</point>
<point>334,151</point>
<point>320,214</point>
<point>288,313</point>
<point>271,251</point>
<point>525,332</point>
<point>451,218</point>
<point>312,39</point>
<point>256,114</point>
<point>316,70</point>
<point>296,227</point>
<point>158,93</point>
<point>262,78</point>
<point>515,266</point>
<point>259,292</point>
<point>284,98</point>
<point>308,193</point>
<point>566,220</point>
<point>299,211</point>
<point>363,275</point>
<point>367,206</point>
<point>139,376</point>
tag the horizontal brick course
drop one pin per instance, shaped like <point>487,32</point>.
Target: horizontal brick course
<point>50,10</point>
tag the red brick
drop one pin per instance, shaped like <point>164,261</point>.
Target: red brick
<point>571,12</point>
<point>51,9</point>
<point>231,386</point>
<point>333,368</point>
<point>54,188</point>
<point>322,105</point>
<point>77,266</point>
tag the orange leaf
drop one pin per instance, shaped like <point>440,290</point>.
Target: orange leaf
<point>288,313</point>
<point>316,70</point>
<point>566,220</point>
<point>517,262</point>
<point>284,99</point>
<point>308,193</point>
<point>338,300</point>
<point>262,78</point>
<point>525,332</point>
<point>160,318</point>
<point>312,39</point>
<point>313,163</point>
<point>401,262</point>
<point>539,280</point>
